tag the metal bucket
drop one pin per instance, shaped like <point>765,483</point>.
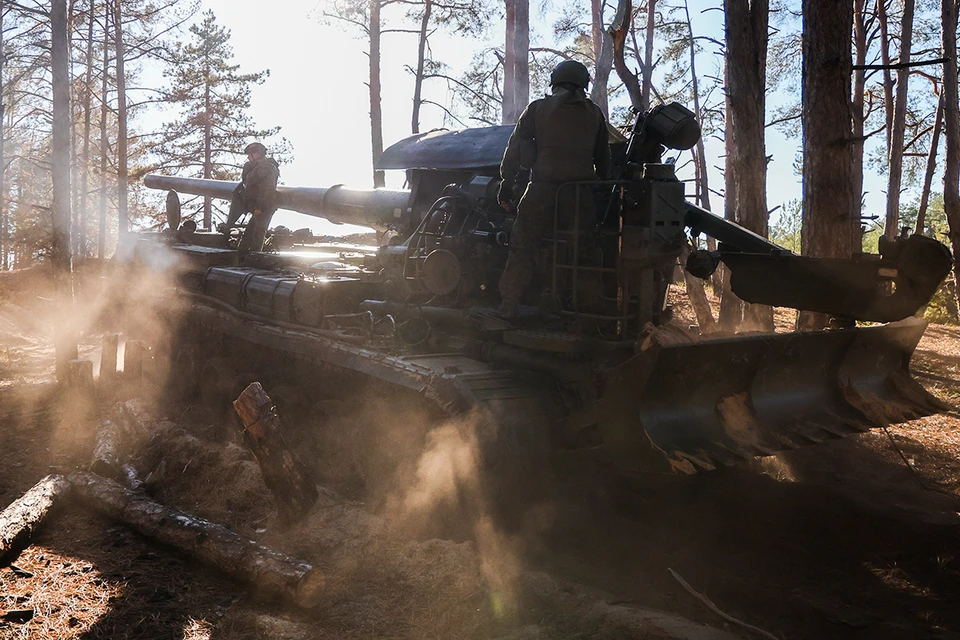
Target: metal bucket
<point>693,406</point>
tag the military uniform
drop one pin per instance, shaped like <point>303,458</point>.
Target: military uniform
<point>567,134</point>
<point>256,194</point>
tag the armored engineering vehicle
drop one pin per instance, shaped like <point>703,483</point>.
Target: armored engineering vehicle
<point>601,378</point>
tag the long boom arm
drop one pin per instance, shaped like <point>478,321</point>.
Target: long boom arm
<point>878,288</point>
<point>699,220</point>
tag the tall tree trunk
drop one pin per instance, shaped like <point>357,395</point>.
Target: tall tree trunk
<point>895,152</point>
<point>104,139</point>
<point>860,45</point>
<point>698,298</point>
<point>74,169</point>
<point>703,199</point>
<point>376,115</point>
<point>695,285</point>
<point>87,118</point>
<point>207,144</point>
<point>931,167</point>
<point>4,248</point>
<point>951,125</point>
<point>618,35</point>
<point>516,60</point>
<point>521,61</point>
<point>646,70</point>
<point>65,344</point>
<point>421,55</point>
<point>602,58</point>
<point>831,220</point>
<point>888,99</point>
<point>17,247</point>
<point>745,75</point>
<point>508,109</point>
<point>121,124</point>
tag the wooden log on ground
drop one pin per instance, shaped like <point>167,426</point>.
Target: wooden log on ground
<point>264,568</point>
<point>118,439</point>
<point>106,451</point>
<point>283,472</point>
<point>130,477</point>
<point>19,520</point>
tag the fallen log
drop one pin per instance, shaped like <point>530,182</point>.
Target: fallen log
<point>106,450</point>
<point>264,568</point>
<point>118,439</point>
<point>19,520</point>
<point>283,472</point>
<point>130,477</point>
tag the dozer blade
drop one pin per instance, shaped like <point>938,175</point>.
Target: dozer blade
<point>693,406</point>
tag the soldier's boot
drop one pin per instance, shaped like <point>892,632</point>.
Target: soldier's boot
<point>237,208</point>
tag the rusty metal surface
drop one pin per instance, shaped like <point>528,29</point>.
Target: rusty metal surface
<point>480,148</point>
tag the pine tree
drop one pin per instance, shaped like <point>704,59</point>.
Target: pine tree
<point>214,98</point>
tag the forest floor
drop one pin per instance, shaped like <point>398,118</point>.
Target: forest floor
<point>840,540</point>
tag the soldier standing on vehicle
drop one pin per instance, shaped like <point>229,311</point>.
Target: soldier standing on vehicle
<point>560,138</point>
<point>255,195</point>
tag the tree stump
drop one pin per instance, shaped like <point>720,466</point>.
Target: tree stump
<point>108,359</point>
<point>19,520</point>
<point>266,569</point>
<point>80,375</point>
<point>134,353</point>
<point>283,472</point>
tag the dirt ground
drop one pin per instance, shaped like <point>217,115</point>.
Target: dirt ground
<point>839,540</point>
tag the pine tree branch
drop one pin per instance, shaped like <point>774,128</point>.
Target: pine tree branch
<point>445,110</point>
<point>31,10</point>
<point>556,52</point>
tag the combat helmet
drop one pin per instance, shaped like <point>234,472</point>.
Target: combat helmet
<point>255,147</point>
<point>570,72</point>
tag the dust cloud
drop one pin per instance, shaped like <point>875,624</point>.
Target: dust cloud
<point>415,504</point>
<point>776,467</point>
<point>132,298</point>
<point>422,476</point>
<point>448,482</point>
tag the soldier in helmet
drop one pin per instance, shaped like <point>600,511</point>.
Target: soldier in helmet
<point>255,194</point>
<point>560,138</point>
